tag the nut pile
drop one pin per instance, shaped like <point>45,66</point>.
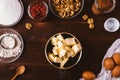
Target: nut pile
<point>66,8</point>
<point>90,21</point>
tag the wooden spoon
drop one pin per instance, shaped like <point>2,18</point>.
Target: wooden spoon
<point>20,70</point>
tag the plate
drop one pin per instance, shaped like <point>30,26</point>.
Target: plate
<point>12,20</point>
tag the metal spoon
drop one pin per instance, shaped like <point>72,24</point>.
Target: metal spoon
<point>20,70</point>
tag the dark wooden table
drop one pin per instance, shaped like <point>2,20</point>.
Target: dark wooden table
<point>95,43</point>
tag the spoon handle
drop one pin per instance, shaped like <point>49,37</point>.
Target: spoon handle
<point>13,78</point>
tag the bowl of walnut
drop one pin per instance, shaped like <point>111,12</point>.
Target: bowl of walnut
<point>66,9</point>
<point>63,50</point>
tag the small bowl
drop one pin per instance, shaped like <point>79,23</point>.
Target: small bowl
<point>111,25</point>
<point>56,13</point>
<point>72,61</point>
<point>38,10</point>
<point>17,50</point>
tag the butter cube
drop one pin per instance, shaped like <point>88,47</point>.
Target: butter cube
<point>70,41</point>
<point>60,37</point>
<point>62,52</point>
<point>76,48</point>
<point>55,50</point>
<point>57,60</point>
<point>51,57</point>
<point>64,62</point>
<point>70,53</point>
<point>54,41</point>
<point>60,44</point>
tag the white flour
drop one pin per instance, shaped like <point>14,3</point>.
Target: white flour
<point>7,52</point>
<point>10,11</point>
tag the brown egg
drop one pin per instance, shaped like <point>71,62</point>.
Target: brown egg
<point>88,75</point>
<point>109,63</point>
<point>116,71</point>
<point>116,58</point>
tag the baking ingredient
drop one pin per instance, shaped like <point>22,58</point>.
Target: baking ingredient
<point>90,21</point>
<point>20,70</point>
<point>28,26</point>
<point>63,49</point>
<point>100,6</point>
<point>10,45</point>
<point>104,5</point>
<point>38,10</point>
<point>85,17</point>
<point>109,63</point>
<point>10,11</point>
<point>95,10</point>
<point>116,58</point>
<point>88,75</point>
<point>8,42</point>
<point>91,26</point>
<point>66,8</point>
<point>116,71</point>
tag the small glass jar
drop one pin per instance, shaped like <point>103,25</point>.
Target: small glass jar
<point>38,10</point>
<point>103,6</point>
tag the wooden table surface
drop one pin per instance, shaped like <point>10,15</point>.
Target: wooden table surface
<point>95,43</point>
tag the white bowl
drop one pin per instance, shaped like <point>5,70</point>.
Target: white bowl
<point>111,25</point>
<point>18,18</point>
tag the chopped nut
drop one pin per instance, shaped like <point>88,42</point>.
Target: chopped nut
<point>91,26</point>
<point>56,1</point>
<point>90,21</point>
<point>85,17</point>
<point>28,25</point>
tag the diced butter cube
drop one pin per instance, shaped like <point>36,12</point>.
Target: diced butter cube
<point>57,60</point>
<point>64,62</point>
<point>70,53</point>
<point>51,56</point>
<point>76,48</point>
<point>55,50</point>
<point>60,37</point>
<point>60,44</point>
<point>62,52</point>
<point>54,41</point>
<point>70,41</point>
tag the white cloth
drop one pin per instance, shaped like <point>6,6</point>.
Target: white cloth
<point>104,74</point>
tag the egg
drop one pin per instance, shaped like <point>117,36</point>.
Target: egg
<point>108,63</point>
<point>116,71</point>
<point>88,75</point>
<point>116,58</point>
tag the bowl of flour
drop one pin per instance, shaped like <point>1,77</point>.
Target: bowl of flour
<point>11,12</point>
<point>11,45</point>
